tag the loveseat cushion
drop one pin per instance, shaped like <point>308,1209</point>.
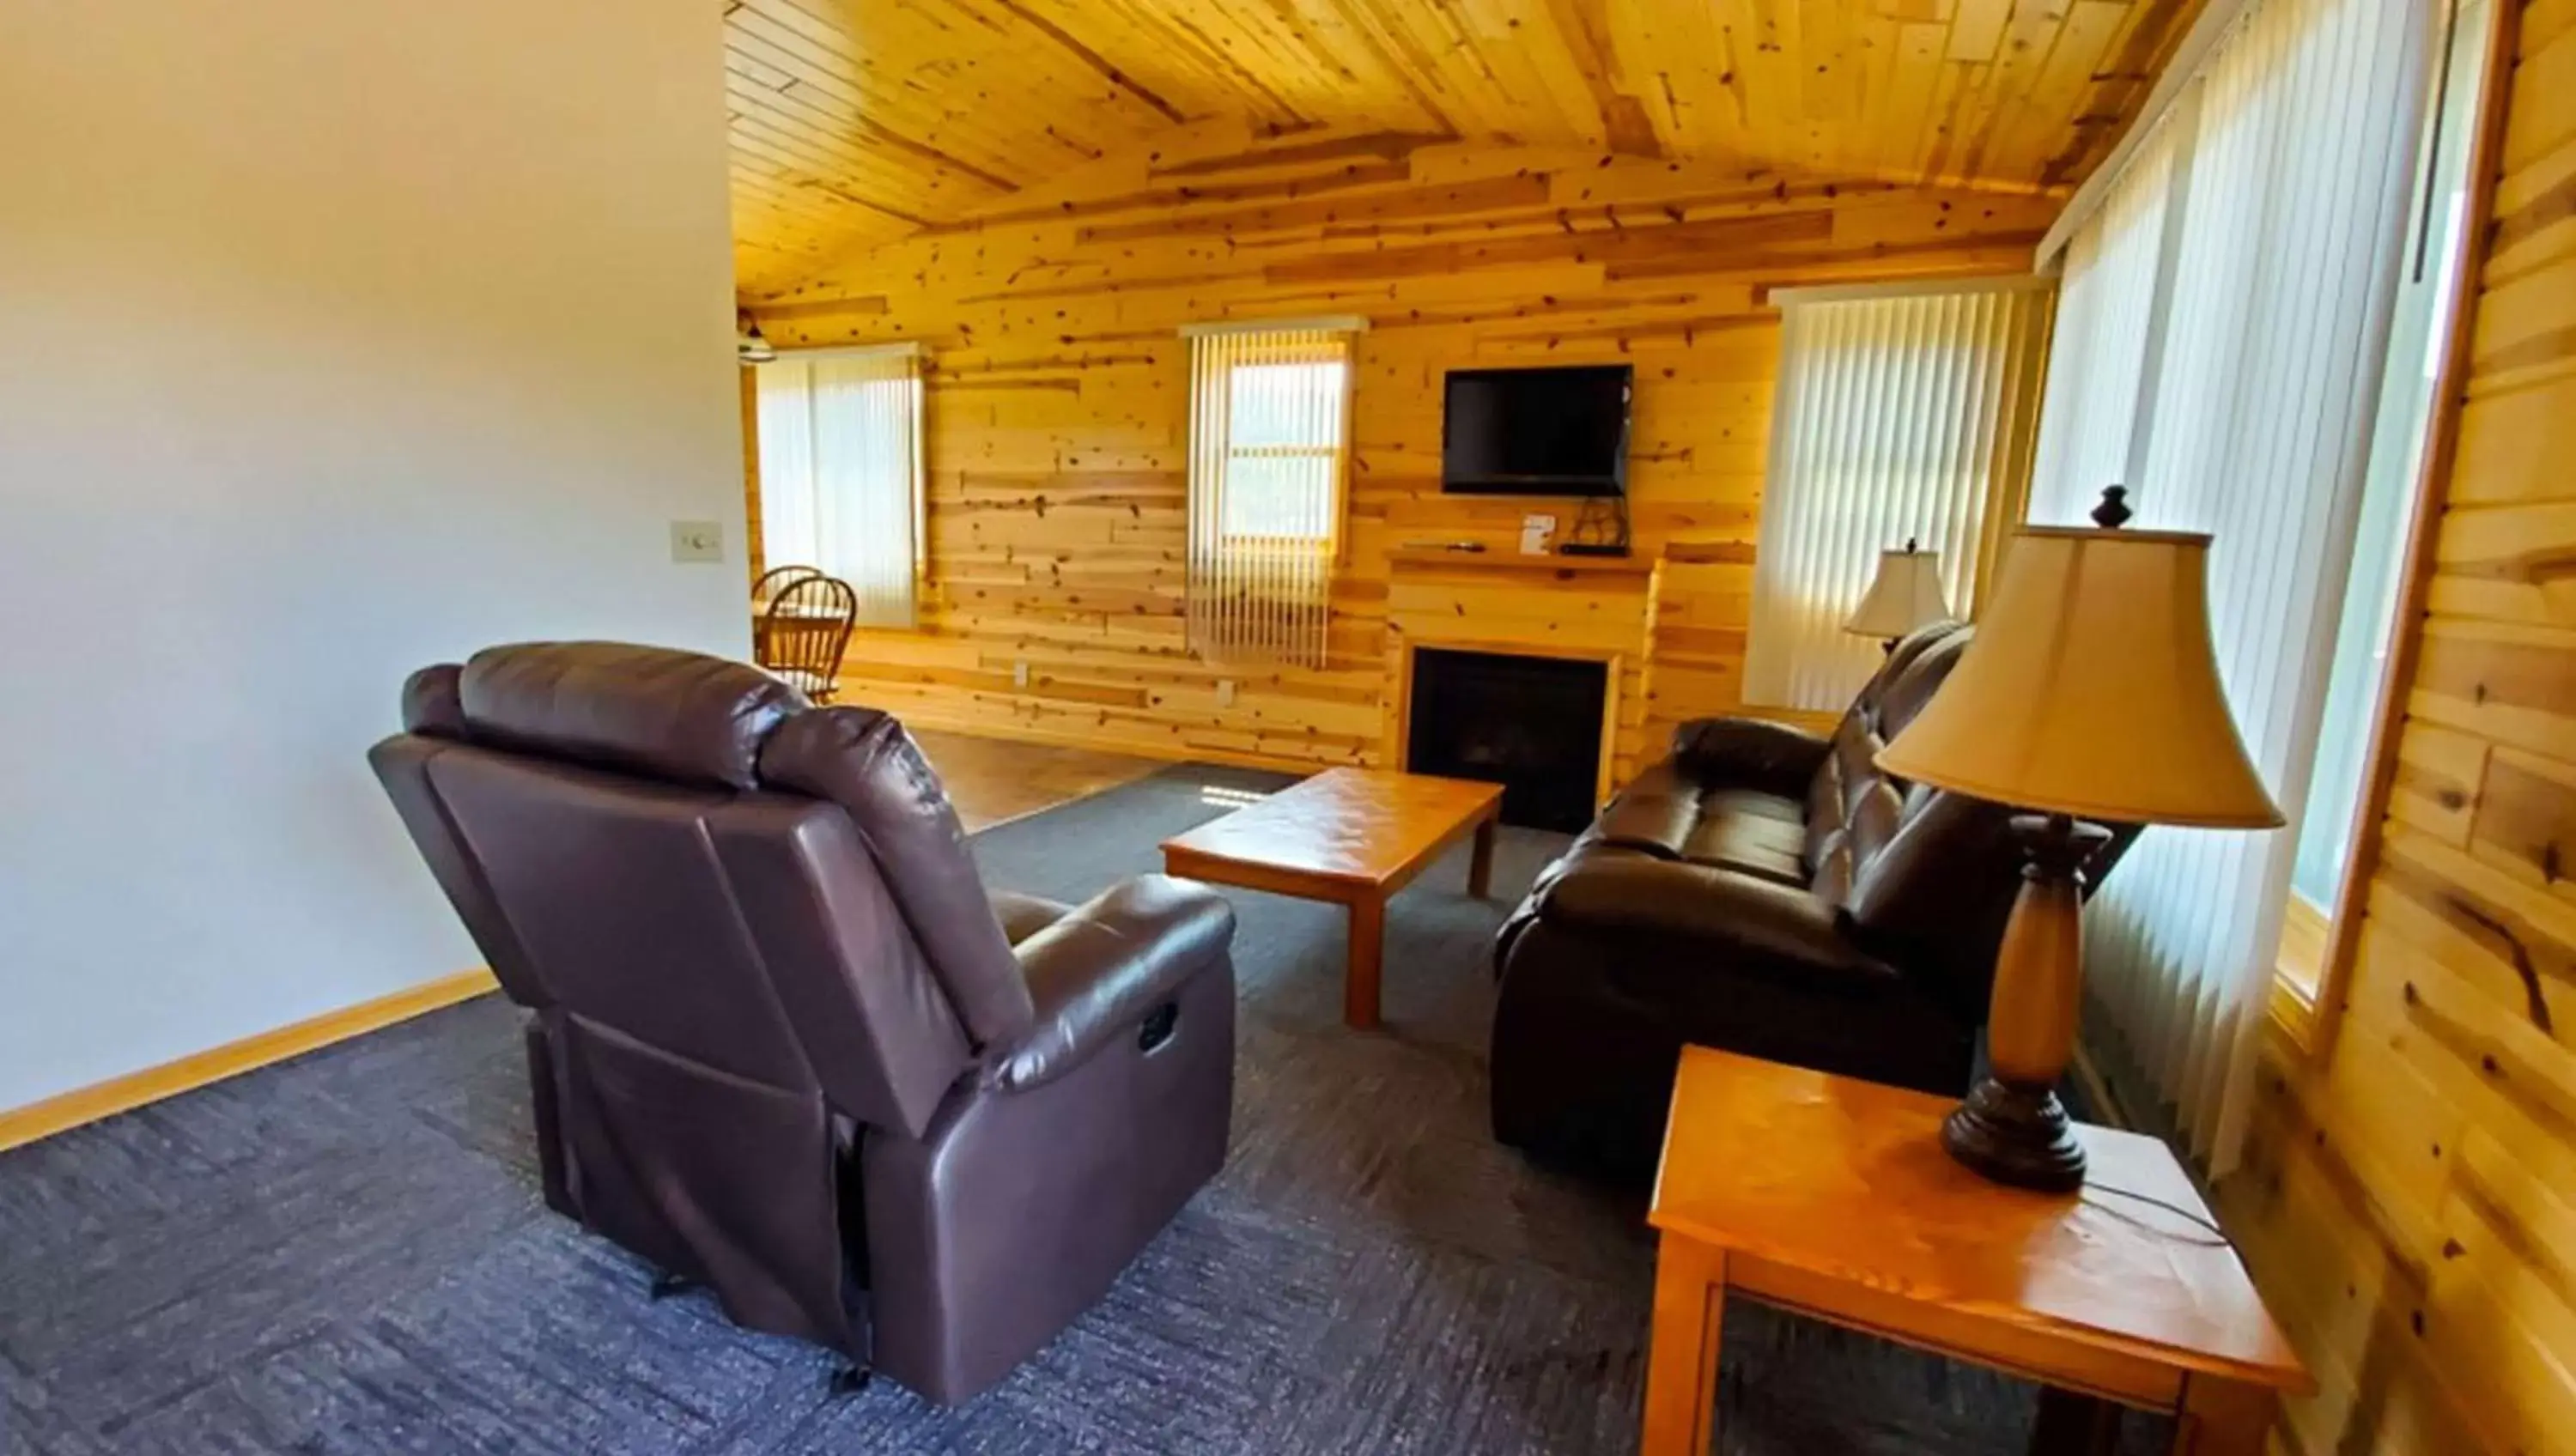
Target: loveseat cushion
<point>1654,814</point>
<point>1665,816</point>
<point>1747,925</point>
<point>1748,832</point>
<point>1748,752</point>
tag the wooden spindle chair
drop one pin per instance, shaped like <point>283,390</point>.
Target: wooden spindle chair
<point>805,631</point>
<point>764,595</point>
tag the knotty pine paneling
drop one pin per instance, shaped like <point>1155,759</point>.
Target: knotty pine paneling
<point>753,547</point>
<point>855,121</point>
<point>1057,396</point>
<point>2409,1203</point>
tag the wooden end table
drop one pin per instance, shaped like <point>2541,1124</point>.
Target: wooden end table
<point>1351,836</point>
<point>1832,1198</point>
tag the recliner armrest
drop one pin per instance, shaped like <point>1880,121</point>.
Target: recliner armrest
<point>1754,752</point>
<point>1759,926</point>
<point>1097,973</point>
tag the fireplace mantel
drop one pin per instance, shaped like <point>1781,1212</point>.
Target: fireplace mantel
<point>1564,568</point>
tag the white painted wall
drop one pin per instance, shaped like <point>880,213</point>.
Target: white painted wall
<point>335,338</point>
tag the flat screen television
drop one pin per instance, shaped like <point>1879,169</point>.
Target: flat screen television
<point>1536,431</point>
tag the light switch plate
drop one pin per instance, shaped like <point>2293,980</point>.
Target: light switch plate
<point>1225,692</point>
<point>1020,674</point>
<point>697,541</point>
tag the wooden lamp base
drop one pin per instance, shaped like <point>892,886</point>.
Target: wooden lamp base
<point>2011,1128</point>
<point>2016,1135</point>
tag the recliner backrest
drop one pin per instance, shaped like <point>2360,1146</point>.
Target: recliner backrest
<point>865,762</point>
<point>1852,808</point>
<point>677,851</point>
<point>1907,863</point>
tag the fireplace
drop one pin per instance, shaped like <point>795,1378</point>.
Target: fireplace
<point>1531,724</point>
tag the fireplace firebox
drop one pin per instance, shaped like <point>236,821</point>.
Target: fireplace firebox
<point>1531,724</point>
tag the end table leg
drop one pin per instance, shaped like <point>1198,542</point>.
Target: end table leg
<point>1368,944</point>
<point>1681,1360</point>
<point>2223,1418</point>
<point>1480,869</point>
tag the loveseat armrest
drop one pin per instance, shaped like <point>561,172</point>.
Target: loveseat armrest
<point>1751,752</point>
<point>1750,925</point>
<point>1101,970</point>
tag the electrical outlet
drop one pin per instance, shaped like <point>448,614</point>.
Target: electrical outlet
<point>693,541</point>
<point>1020,674</point>
<point>1225,692</point>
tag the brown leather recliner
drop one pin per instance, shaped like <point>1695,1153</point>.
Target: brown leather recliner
<point>1762,891</point>
<point>782,1044</point>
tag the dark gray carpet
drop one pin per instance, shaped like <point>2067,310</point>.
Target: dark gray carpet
<point>347,1253</point>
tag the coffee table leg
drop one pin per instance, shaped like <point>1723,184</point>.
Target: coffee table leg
<point>2069,1424</point>
<point>1368,944</point>
<point>2223,1418</point>
<point>1480,870</point>
<point>1681,1357</point>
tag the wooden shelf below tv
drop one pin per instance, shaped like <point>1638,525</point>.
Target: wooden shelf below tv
<point>1440,559</point>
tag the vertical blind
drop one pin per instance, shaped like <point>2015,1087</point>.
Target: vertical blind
<point>1269,443</point>
<point>2106,298</point>
<point>840,472</point>
<point>1900,415</point>
<point>2273,202</point>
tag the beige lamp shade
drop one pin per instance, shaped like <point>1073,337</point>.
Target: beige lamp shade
<point>1906,594</point>
<point>2092,690</point>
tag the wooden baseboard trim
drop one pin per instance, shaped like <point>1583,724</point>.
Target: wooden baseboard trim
<point>67,1110</point>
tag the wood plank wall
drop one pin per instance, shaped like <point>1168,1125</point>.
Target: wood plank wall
<point>1058,391</point>
<point>754,549</point>
<point>2409,1204</point>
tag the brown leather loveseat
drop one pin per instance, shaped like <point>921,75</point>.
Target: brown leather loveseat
<point>1764,891</point>
<point>781,1043</point>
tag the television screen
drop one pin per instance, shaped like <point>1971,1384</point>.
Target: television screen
<point>1536,431</point>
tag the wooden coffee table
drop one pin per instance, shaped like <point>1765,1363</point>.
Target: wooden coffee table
<point>1832,1198</point>
<point>1351,836</point>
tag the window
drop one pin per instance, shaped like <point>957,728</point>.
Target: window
<point>1269,442</point>
<point>2418,336</point>
<point>2230,310</point>
<point>840,472</point>
<point>1903,414</point>
<point>1282,449</point>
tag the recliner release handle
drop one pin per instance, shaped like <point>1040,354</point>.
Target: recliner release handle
<point>1158,1026</point>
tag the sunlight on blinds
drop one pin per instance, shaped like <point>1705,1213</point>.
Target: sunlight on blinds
<point>2252,421</point>
<point>1900,415</point>
<point>840,472</point>
<point>2105,301</point>
<point>1269,442</point>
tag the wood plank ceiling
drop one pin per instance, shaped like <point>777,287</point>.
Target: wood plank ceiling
<point>857,121</point>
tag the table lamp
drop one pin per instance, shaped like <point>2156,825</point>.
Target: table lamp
<point>2091,693</point>
<point>1906,594</point>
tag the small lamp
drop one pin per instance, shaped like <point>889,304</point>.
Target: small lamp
<point>1905,595</point>
<point>2091,692</point>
